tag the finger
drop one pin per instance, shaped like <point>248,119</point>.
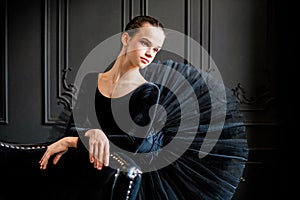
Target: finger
<point>106,155</point>
<point>56,158</point>
<point>44,164</point>
<point>41,160</point>
<point>91,158</point>
<point>45,159</point>
<point>43,167</point>
<point>99,165</point>
<point>46,152</point>
<point>100,157</point>
<point>95,155</point>
<point>98,152</point>
<point>101,153</point>
<point>91,152</point>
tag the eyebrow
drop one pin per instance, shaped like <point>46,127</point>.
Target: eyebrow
<point>150,41</point>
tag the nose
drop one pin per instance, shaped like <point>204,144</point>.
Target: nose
<point>149,53</point>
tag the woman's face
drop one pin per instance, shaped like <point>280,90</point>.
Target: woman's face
<point>144,45</point>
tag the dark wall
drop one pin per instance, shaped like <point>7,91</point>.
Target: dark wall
<point>43,43</point>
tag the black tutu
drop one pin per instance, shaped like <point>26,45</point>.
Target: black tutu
<point>209,147</point>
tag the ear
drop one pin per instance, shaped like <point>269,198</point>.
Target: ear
<point>125,38</point>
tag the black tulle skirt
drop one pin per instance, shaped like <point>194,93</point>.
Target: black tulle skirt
<point>209,151</point>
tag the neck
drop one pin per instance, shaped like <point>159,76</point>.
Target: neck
<point>120,68</point>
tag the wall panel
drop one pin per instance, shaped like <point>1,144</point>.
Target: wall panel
<point>43,43</point>
<point>3,64</point>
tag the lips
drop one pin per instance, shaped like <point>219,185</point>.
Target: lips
<point>144,60</point>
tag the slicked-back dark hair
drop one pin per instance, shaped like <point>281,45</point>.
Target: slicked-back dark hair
<point>137,22</point>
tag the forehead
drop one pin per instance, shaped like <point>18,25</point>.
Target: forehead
<point>154,34</point>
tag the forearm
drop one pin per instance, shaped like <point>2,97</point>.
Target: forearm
<point>71,141</point>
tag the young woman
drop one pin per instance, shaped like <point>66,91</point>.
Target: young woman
<point>121,89</point>
<point>143,38</point>
<point>124,85</point>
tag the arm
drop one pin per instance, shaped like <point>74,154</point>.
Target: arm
<point>143,110</point>
<point>58,148</point>
<point>84,134</point>
<point>98,150</point>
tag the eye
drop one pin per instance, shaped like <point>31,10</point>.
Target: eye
<point>145,43</point>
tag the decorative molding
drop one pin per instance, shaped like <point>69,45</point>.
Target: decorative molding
<point>128,11</point>
<point>205,37</point>
<point>264,96</point>
<point>144,7</point>
<point>260,102</point>
<point>3,67</point>
<point>187,30</point>
<point>65,91</point>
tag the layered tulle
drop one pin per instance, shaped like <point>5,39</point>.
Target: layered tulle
<point>215,148</point>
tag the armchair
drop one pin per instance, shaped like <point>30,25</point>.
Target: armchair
<point>22,178</point>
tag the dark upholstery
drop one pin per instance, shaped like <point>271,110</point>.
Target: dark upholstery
<point>72,178</point>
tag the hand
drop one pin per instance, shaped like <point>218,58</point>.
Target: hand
<point>98,148</point>
<point>59,148</point>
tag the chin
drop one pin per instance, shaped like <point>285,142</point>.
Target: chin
<point>142,66</point>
